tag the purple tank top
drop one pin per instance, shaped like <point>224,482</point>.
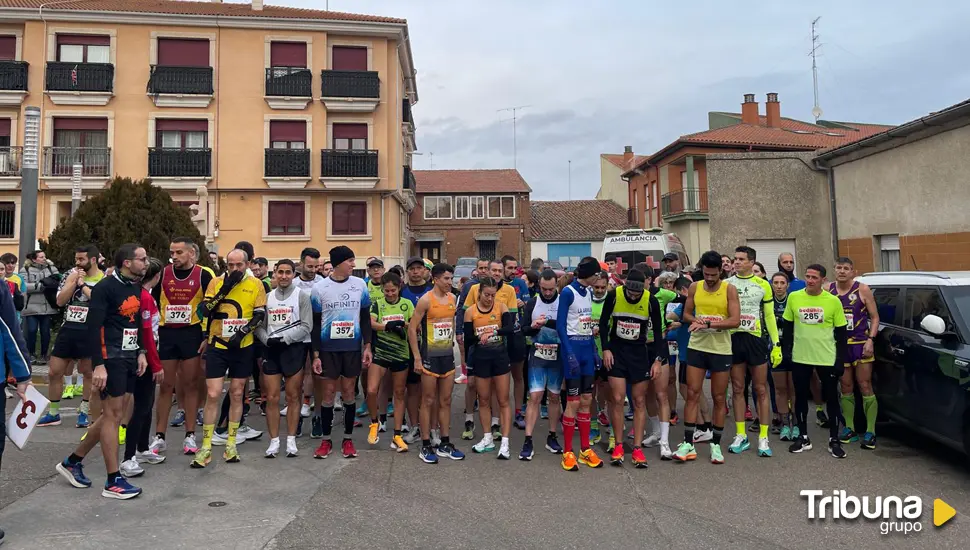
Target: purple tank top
<point>855,312</point>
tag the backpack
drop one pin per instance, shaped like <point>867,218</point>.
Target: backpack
<point>51,282</point>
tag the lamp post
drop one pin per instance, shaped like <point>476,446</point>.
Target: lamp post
<point>28,186</point>
<point>76,172</point>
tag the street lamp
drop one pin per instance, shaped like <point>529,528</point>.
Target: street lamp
<point>28,178</point>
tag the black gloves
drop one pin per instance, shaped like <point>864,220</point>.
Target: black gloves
<point>396,327</point>
<point>274,342</point>
<point>232,279</point>
<point>237,338</point>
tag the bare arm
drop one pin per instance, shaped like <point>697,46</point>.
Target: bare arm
<point>688,316</point>
<point>734,310</point>
<point>67,291</point>
<point>870,301</point>
<point>419,311</point>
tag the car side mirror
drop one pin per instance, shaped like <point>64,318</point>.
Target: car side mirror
<point>933,325</point>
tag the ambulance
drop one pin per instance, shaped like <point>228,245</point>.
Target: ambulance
<point>632,246</point>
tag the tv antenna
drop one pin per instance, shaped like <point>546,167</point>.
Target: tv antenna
<point>816,46</point>
<point>515,111</point>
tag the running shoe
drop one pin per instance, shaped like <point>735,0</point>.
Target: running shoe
<point>202,458</point>
<point>274,448</point>
<point>835,448</point>
<point>821,418</point>
<point>131,468</point>
<point>611,443</point>
<point>122,435</point>
<point>49,420</point>
<point>486,445</point>
<point>461,379</point>
<point>469,432</point>
<point>358,423</point>
<point>283,411</point>
<point>802,444</point>
<point>120,489</point>
<point>651,440</point>
<point>448,450</point>
<point>674,419</point>
<point>700,436</point>
<point>776,425</point>
<point>188,445</point>
<point>629,434</point>
<point>198,418</point>
<point>795,432</point>
<point>763,449</point>
<point>435,438</point>
<point>569,463</point>
<point>785,433</point>
<point>382,426</point>
<point>361,409</point>
<point>149,457</point>
<point>496,431</point>
<point>595,436</point>
<point>665,452</point>
<point>747,413</point>
<point>543,412</point>
<point>716,456</point>
<point>589,458</point>
<point>178,420</point>
<point>316,427</point>
<point>413,436</point>
<point>68,392</point>
<point>869,441</point>
<point>231,455</point>
<point>503,451</point>
<point>519,421</point>
<point>305,410</point>
<point>291,450</point>
<point>527,451</point>
<point>247,432</point>
<point>755,426</point>
<point>390,409</point>
<point>348,450</point>
<point>552,445</point>
<point>628,414</point>
<point>338,404</point>
<point>83,421</point>
<point>685,452</point>
<point>639,461</point>
<point>399,445</point>
<point>428,455</point>
<point>323,451</point>
<point>78,390</point>
<point>848,436</point>
<point>372,434</point>
<point>221,437</point>
<point>616,457</point>
<point>603,419</point>
<point>158,445</point>
<point>739,445</point>
<point>74,474</point>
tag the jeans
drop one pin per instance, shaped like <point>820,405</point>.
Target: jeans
<point>43,323</point>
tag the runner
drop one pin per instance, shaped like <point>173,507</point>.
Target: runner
<point>602,395</point>
<point>341,339</point>
<point>579,365</point>
<point>656,415</point>
<point>518,351</point>
<point>678,340</point>
<point>417,285</point>
<point>481,270</point>
<point>545,367</point>
<point>234,304</point>
<point>434,360</point>
<point>72,343</point>
<point>749,348</point>
<point>312,385</point>
<point>863,325</point>
<point>285,334</point>
<point>488,323</point>
<point>375,269</point>
<point>712,309</point>
<point>631,356</point>
<point>118,357</point>
<point>390,316</point>
<point>182,289</point>
<point>784,387</point>
<point>816,340</point>
<point>260,268</point>
<point>786,264</point>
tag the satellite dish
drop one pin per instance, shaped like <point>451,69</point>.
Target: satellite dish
<point>816,112</point>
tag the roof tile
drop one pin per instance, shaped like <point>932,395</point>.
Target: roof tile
<point>582,220</point>
<point>470,181</point>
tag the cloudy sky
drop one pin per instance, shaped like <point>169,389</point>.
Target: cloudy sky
<point>600,75</point>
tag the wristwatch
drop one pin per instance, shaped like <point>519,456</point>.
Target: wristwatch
<point>708,323</point>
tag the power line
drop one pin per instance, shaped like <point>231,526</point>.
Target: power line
<point>816,45</point>
<point>514,145</point>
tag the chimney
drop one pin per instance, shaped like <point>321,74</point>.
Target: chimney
<point>749,110</point>
<point>257,5</point>
<point>773,111</point>
<point>627,154</point>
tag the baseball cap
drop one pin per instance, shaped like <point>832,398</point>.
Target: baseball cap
<point>414,260</point>
<point>372,261</point>
<point>428,263</point>
<point>671,257</point>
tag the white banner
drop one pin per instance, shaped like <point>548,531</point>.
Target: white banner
<point>25,415</point>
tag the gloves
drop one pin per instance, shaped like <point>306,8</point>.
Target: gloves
<point>572,365</point>
<point>775,356</point>
<point>396,327</point>
<point>232,279</point>
<point>273,342</point>
<point>238,337</point>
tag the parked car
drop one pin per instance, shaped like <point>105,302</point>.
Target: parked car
<point>464,267</point>
<point>920,373</point>
<point>555,266</point>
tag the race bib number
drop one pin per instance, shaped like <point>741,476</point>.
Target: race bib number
<point>178,313</point>
<point>811,315</point>
<point>586,325</point>
<point>129,339</point>
<point>493,337</point>
<point>547,352</point>
<point>76,314</point>
<point>850,320</point>
<point>628,330</point>
<point>280,316</point>
<point>748,322</point>
<point>711,318</point>
<point>342,330</point>
<point>672,348</point>
<point>395,317</point>
<point>441,331</point>
<point>231,326</point>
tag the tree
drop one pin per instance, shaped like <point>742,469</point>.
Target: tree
<point>126,212</point>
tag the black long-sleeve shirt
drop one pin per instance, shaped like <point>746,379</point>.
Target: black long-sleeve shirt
<point>657,348</point>
<point>113,319</point>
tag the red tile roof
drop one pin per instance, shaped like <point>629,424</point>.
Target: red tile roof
<point>182,7</point>
<point>470,181</point>
<point>586,220</point>
<point>617,160</point>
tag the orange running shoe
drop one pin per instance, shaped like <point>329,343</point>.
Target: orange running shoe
<point>589,458</point>
<point>639,461</point>
<point>616,458</point>
<point>569,462</point>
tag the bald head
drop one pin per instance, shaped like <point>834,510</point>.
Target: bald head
<point>237,260</point>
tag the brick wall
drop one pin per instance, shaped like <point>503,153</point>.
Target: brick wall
<point>931,252</point>
<point>459,235</point>
<point>860,250</point>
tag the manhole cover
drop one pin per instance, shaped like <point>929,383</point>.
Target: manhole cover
<point>217,504</point>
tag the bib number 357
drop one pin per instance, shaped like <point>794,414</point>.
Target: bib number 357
<point>341,330</point>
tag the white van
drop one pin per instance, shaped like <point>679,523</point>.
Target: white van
<point>633,246</point>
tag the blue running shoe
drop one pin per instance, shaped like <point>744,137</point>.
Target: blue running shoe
<point>519,421</point>
<point>49,420</point>
<point>361,409</point>
<point>544,412</point>
<point>848,436</point>
<point>120,489</point>
<point>82,420</point>
<point>299,427</point>
<point>74,473</point>
<point>447,450</point>
<point>553,446</point>
<point>629,414</point>
<point>316,427</point>
<point>178,420</point>
<point>869,441</point>
<point>527,451</point>
<point>428,455</point>
<point>198,418</point>
<point>390,409</point>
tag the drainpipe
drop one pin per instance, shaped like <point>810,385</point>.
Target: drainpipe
<point>830,174</point>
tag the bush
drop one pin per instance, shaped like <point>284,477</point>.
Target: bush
<point>127,211</point>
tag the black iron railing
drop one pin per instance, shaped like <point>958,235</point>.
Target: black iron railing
<point>686,201</point>
<point>13,75</point>
<point>170,79</point>
<point>176,162</point>
<point>408,178</point>
<point>60,161</point>
<point>406,117</point>
<point>363,84</point>
<point>80,77</point>
<point>10,160</point>
<point>287,163</point>
<point>354,163</point>
<point>289,82</point>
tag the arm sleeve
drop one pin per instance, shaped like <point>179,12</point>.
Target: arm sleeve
<point>565,300</point>
<point>148,311</point>
<point>659,344</point>
<point>298,334</point>
<point>508,324</point>
<point>97,309</point>
<point>366,332</point>
<point>14,348</point>
<point>787,336</point>
<point>771,323</point>
<point>315,342</point>
<point>841,345</point>
<point>470,338</point>
<point>608,304</point>
<point>527,326</point>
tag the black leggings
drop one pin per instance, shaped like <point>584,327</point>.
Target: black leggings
<point>802,378</point>
<point>140,425</point>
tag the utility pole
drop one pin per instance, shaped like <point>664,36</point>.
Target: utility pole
<point>570,179</point>
<point>816,45</point>
<point>431,156</point>
<point>514,145</point>
<point>28,193</point>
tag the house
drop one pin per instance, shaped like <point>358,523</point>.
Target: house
<point>285,127</point>
<point>612,185</point>
<point>672,183</point>
<point>567,231</point>
<point>480,213</point>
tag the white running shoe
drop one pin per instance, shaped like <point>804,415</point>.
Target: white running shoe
<point>149,457</point>
<point>130,468</point>
<point>413,435</point>
<point>305,410</point>
<point>283,411</point>
<point>291,450</point>
<point>503,450</point>
<point>461,379</point>
<point>221,438</point>
<point>701,436</point>
<point>274,448</point>
<point>188,445</point>
<point>382,428</point>
<point>247,432</point>
<point>435,438</point>
<point>338,402</point>
<point>158,445</point>
<point>651,440</point>
<point>485,445</point>
<point>665,453</point>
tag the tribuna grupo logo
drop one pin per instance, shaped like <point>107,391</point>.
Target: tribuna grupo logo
<point>895,514</point>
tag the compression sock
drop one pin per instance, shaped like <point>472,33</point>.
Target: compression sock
<point>763,432</point>
<point>207,430</point>
<point>85,407</point>
<point>349,414</point>
<point>871,408</point>
<point>739,426</point>
<point>848,409</point>
<point>664,431</point>
<point>55,407</point>
<point>326,417</point>
<point>718,430</point>
<point>689,432</point>
<point>469,418</point>
<point>653,425</point>
<point>233,428</point>
<point>583,420</point>
<point>568,430</point>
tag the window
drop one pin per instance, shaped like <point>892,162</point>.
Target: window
<point>888,304</point>
<point>8,220</point>
<point>486,250</point>
<point>469,208</point>
<point>349,218</point>
<point>437,208</point>
<point>656,194</point>
<point>182,134</point>
<point>287,134</point>
<point>287,54</point>
<point>79,140</point>
<point>889,252</point>
<point>83,48</point>
<point>8,48</point>
<point>350,137</point>
<point>183,52</point>
<point>286,218</point>
<point>501,206</point>
<point>4,132</point>
<point>923,301</point>
<point>349,58</point>
<point>683,180</point>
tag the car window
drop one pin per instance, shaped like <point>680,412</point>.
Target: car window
<point>888,304</point>
<point>923,301</point>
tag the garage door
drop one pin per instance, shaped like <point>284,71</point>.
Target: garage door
<point>769,249</point>
<point>569,254</point>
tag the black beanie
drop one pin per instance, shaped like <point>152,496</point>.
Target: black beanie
<point>587,269</point>
<point>340,254</point>
<point>635,280</point>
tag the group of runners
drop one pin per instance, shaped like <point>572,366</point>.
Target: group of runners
<point>589,351</point>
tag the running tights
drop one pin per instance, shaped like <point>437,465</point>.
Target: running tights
<point>829,376</point>
<point>140,426</point>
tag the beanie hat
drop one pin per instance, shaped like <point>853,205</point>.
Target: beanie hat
<point>635,281</point>
<point>587,269</point>
<point>340,254</point>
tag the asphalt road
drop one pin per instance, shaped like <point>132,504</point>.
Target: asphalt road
<point>384,499</point>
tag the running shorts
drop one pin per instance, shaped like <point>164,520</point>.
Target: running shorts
<point>394,366</point>
<point>122,375</point>
<point>631,363</point>
<point>179,343</point>
<point>748,348</point>
<point>285,360</point>
<point>337,364</point>
<point>579,386</point>
<point>71,344</point>
<point>236,362</point>
<point>585,353</point>
<point>438,367</point>
<point>854,351</point>
<point>714,362</point>
<point>546,377</point>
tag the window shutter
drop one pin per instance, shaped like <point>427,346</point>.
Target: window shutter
<point>80,123</point>
<point>287,130</point>
<point>287,54</point>
<point>347,58</point>
<point>183,52</point>
<point>181,125</point>
<point>350,131</point>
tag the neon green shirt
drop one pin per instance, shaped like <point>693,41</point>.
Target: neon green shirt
<point>815,319</point>
<point>753,293</point>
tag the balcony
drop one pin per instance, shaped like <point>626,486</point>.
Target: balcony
<point>354,169</point>
<point>687,204</point>
<point>406,195</point>
<point>58,166</point>
<point>407,126</point>
<point>80,83</point>
<point>178,86</point>
<point>10,167</point>
<point>351,91</point>
<point>286,168</point>
<point>176,168</point>
<point>13,82</point>
<point>288,87</point>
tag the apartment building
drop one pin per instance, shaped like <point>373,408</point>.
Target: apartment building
<point>285,127</point>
